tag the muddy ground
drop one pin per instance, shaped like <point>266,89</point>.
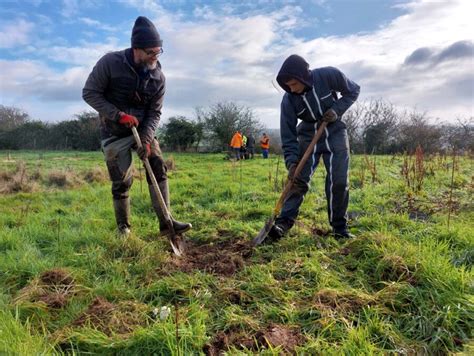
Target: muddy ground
<point>224,258</point>
<point>275,335</point>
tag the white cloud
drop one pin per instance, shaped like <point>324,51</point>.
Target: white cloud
<point>225,56</point>
<point>33,79</point>
<point>16,33</point>
<point>70,8</point>
<point>86,55</point>
<point>96,24</point>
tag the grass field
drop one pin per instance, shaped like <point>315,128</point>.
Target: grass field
<point>68,284</point>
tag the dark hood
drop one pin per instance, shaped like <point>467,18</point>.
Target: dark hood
<point>294,67</point>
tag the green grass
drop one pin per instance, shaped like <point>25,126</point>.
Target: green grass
<point>403,285</point>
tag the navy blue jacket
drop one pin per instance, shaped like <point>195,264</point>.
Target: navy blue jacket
<point>322,86</point>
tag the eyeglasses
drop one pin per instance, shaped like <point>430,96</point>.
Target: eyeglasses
<point>151,53</point>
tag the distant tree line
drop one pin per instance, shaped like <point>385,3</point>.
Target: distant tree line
<point>376,126</point>
<point>373,127</point>
<point>19,131</point>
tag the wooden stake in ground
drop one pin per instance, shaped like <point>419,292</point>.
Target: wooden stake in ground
<point>450,203</point>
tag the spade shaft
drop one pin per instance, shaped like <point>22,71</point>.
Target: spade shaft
<point>175,242</point>
<point>289,185</point>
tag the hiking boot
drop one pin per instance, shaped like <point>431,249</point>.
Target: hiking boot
<point>123,230</point>
<point>275,234</point>
<point>122,215</point>
<point>179,228</point>
<point>279,229</point>
<point>342,234</point>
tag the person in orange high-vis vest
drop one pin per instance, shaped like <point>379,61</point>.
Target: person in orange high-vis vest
<point>236,143</point>
<point>265,145</point>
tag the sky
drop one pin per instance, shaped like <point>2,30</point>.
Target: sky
<point>414,54</point>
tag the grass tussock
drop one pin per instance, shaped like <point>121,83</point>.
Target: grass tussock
<point>53,288</point>
<point>110,318</point>
<point>18,180</point>
<point>62,179</point>
<point>344,302</point>
<point>170,163</point>
<point>96,175</point>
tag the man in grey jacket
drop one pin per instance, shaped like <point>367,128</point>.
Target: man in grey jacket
<point>127,89</point>
<point>312,97</point>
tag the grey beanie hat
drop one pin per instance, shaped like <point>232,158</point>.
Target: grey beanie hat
<point>145,35</point>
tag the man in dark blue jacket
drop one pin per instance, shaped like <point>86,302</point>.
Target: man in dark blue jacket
<point>312,97</point>
<point>127,89</point>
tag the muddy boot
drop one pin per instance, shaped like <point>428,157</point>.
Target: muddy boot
<point>122,216</point>
<point>279,229</point>
<point>179,227</point>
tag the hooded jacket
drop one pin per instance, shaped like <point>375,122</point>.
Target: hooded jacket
<point>320,95</point>
<point>115,85</point>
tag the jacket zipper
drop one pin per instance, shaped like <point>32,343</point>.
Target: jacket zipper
<point>309,107</point>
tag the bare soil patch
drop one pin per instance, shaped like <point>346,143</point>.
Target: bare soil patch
<point>313,230</point>
<point>275,335</point>
<point>224,258</point>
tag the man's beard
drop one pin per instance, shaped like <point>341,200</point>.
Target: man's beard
<point>151,66</point>
<point>147,65</point>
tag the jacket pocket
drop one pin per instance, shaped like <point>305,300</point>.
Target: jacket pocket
<point>339,140</point>
<point>305,115</point>
<point>327,101</point>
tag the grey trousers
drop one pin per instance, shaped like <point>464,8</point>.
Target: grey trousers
<point>118,157</point>
<point>333,146</point>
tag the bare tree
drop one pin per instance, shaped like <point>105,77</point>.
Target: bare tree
<point>416,131</point>
<point>380,132</point>
<point>223,119</point>
<point>12,117</point>
<point>353,120</point>
<point>459,137</point>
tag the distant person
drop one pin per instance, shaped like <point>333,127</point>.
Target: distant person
<point>243,149</point>
<point>236,144</point>
<point>127,89</point>
<point>311,96</point>
<point>265,145</point>
<point>250,145</point>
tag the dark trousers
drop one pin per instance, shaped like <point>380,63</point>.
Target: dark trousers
<point>333,146</point>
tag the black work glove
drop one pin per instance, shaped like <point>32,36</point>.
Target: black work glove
<point>330,116</point>
<point>291,170</point>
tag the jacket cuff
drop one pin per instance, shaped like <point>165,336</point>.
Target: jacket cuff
<point>118,115</point>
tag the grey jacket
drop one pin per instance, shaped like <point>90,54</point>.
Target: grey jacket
<point>114,85</point>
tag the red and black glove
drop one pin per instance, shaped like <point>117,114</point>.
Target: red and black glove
<point>144,151</point>
<point>128,120</point>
